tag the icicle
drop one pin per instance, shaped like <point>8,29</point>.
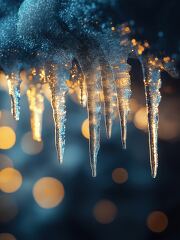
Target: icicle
<point>118,55</point>
<point>108,90</point>
<point>58,91</point>
<point>36,106</point>
<point>152,82</point>
<point>123,88</point>
<point>14,83</point>
<point>94,114</point>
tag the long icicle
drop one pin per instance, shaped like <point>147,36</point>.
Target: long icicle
<point>152,82</point>
<point>36,106</point>
<point>94,114</point>
<point>14,83</point>
<point>58,92</point>
<point>123,88</point>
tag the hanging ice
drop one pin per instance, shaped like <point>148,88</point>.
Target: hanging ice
<point>152,82</point>
<point>14,83</point>
<point>123,81</point>
<point>94,115</point>
<point>93,82</point>
<point>152,68</point>
<point>76,38</point>
<point>117,52</point>
<point>56,78</point>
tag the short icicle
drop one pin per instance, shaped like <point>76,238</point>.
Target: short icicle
<point>14,83</point>
<point>152,82</point>
<point>56,80</point>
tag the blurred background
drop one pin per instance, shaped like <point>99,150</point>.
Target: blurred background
<point>39,199</point>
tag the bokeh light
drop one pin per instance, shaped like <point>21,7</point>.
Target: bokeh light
<point>157,221</point>
<point>5,162</point>
<point>134,105</point>
<point>120,175</point>
<point>105,211</point>
<point>169,129</point>
<point>10,180</point>
<point>7,236</point>
<point>48,192</point>
<point>7,137</point>
<point>3,81</point>
<point>85,128</point>
<point>29,146</point>
<point>8,209</point>
<point>140,119</point>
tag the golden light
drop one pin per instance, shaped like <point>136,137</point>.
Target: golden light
<point>134,42</point>
<point>30,146</point>
<point>140,119</point>
<point>127,29</point>
<point>5,162</point>
<point>7,236</point>
<point>85,128</point>
<point>10,180</point>
<point>7,137</point>
<point>140,49</point>
<point>48,192</point>
<point>166,59</point>
<point>120,175</point>
<point>157,221</point>
<point>134,106</point>
<point>105,211</point>
<point>101,95</point>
